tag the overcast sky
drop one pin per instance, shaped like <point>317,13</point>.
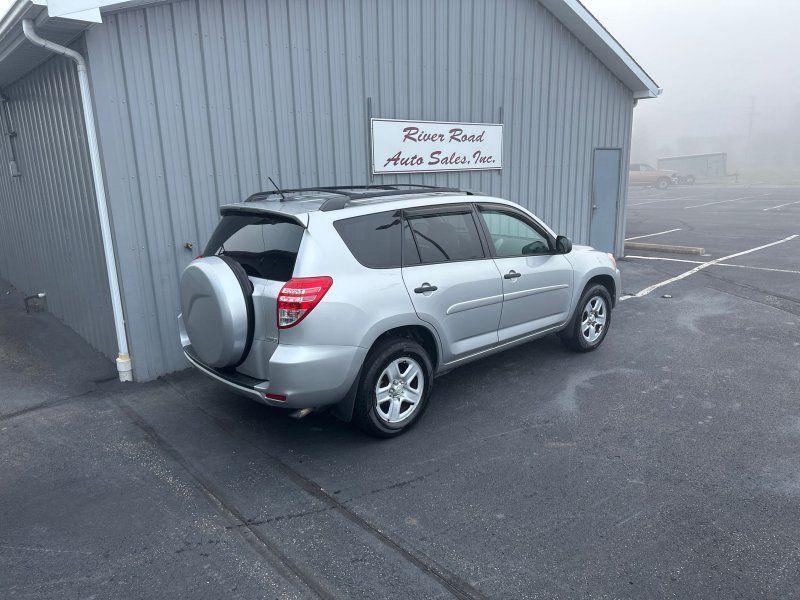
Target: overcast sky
<point>715,59</point>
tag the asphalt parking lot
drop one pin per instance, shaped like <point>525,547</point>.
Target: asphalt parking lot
<point>666,464</point>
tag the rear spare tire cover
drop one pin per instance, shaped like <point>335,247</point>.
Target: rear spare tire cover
<point>217,306</point>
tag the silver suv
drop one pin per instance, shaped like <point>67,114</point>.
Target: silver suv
<point>356,298</point>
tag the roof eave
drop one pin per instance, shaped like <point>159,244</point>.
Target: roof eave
<point>591,33</point>
<point>17,55</point>
<point>645,94</point>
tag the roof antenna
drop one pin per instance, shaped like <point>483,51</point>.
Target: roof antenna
<point>283,198</point>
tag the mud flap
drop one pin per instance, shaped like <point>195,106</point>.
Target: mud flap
<point>343,410</point>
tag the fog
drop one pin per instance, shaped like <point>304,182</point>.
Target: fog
<point>730,75</point>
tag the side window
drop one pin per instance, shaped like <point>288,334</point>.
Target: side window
<point>511,235</point>
<point>410,252</point>
<point>446,236</point>
<point>373,239</point>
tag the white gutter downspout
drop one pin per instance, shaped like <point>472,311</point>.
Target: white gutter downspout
<point>123,359</point>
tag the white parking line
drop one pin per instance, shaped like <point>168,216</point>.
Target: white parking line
<point>639,237</point>
<point>731,200</point>
<point>701,262</point>
<point>671,199</point>
<point>702,266</point>
<point>781,205</point>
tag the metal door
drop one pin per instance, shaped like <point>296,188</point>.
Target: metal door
<point>605,198</point>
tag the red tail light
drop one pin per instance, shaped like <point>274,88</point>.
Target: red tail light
<point>298,297</point>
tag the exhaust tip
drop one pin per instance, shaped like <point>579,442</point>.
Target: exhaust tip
<point>303,412</point>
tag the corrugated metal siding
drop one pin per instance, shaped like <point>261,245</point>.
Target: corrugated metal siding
<point>49,231</point>
<point>200,101</point>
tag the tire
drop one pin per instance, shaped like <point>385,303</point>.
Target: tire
<point>247,288</point>
<point>690,180</point>
<point>394,414</point>
<point>575,335</point>
<point>662,183</point>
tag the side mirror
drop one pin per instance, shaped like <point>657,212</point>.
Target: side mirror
<point>563,245</point>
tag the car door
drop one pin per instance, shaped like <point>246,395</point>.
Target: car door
<point>451,279</point>
<point>537,281</point>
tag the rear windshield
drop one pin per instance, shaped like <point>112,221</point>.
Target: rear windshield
<point>265,247</point>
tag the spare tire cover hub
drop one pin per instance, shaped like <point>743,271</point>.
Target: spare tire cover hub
<point>215,312</point>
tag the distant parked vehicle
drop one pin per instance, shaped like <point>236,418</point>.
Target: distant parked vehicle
<point>644,174</point>
<point>357,297</point>
<point>697,167</point>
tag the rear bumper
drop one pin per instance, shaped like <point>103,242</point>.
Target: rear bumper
<point>243,385</point>
<point>307,376</point>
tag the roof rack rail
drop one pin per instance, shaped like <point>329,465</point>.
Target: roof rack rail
<point>343,202</point>
<point>347,193</point>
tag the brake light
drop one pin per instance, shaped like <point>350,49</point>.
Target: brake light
<point>298,297</point>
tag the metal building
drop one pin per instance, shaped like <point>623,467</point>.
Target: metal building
<point>197,102</point>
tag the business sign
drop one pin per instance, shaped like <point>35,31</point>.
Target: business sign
<point>432,146</point>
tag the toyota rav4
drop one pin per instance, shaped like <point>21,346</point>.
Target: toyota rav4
<point>356,298</point>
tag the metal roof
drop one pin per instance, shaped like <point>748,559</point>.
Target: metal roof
<point>17,56</point>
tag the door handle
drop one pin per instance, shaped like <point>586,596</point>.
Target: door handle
<point>512,275</point>
<point>424,288</point>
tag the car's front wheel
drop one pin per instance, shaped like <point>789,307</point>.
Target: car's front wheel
<point>662,183</point>
<point>394,388</point>
<point>589,325</point>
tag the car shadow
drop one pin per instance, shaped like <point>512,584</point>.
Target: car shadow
<point>459,399</point>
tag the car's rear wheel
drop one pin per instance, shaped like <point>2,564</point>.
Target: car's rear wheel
<point>591,321</point>
<point>662,183</point>
<point>394,388</point>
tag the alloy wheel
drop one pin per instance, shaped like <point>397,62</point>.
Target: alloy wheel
<point>399,390</point>
<point>593,319</point>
